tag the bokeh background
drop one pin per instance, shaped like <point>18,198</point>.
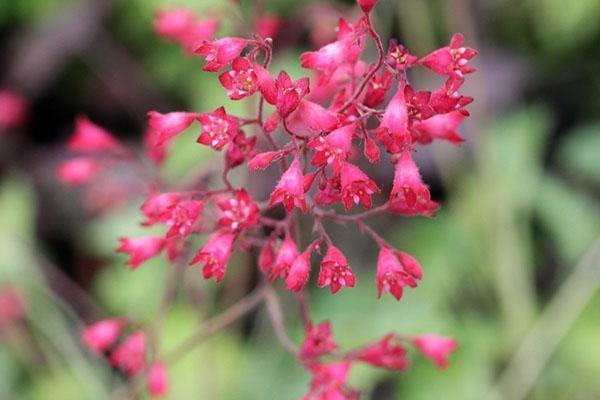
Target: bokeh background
<point>511,263</point>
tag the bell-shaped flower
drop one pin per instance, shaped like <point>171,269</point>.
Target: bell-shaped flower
<point>288,253</point>
<point>333,148</point>
<point>91,138</point>
<point>221,52</point>
<point>436,348</point>
<point>214,255</point>
<point>218,128</point>
<point>130,356</point>
<point>357,187</point>
<point>241,80</point>
<point>395,270</point>
<point>318,342</point>
<point>290,189</point>
<point>335,271</point>
<point>238,212</point>
<point>452,59</point>
<point>140,249</point>
<point>102,335</point>
<point>167,126</point>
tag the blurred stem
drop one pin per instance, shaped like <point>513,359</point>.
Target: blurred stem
<point>542,340</point>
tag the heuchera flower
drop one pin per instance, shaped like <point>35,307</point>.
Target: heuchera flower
<point>140,249</point>
<point>285,258</point>
<point>173,23</point>
<point>452,59</point>
<point>357,187</point>
<point>289,93</point>
<point>393,132</point>
<point>290,189</point>
<point>263,160</point>
<point>214,255</point>
<point>158,380</point>
<point>240,149</point>
<point>335,272</point>
<point>417,104</point>
<point>298,273</point>
<point>441,126</point>
<point>436,348</point>
<point>12,305</point>
<point>386,353</point>
<point>377,89</point>
<point>398,57</point>
<point>333,148</point>
<point>447,99</point>
<point>221,52</point>
<point>218,128</point>
<point>371,150</point>
<point>181,217</point>
<point>13,110</point>
<point>395,270</point>
<point>102,335</point>
<point>157,152</point>
<point>367,5</point>
<point>318,342</point>
<point>77,171</point>
<point>156,206</point>
<point>130,356</point>
<point>268,25</point>
<point>410,196</point>
<point>166,126</point>
<point>328,382</point>
<point>238,212</point>
<point>266,258</point>
<point>241,80</point>
<point>310,118</point>
<point>90,138</point>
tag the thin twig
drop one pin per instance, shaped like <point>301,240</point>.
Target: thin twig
<point>276,316</point>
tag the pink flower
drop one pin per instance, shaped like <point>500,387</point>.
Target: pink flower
<point>218,128</point>
<point>221,52</point>
<point>447,99</point>
<point>140,249</point>
<point>318,342</point>
<point>77,171</point>
<point>395,270</point>
<point>310,118</point>
<point>377,89</point>
<point>285,258</point>
<point>197,33</point>
<point>241,80</point>
<point>90,138</point>
<point>268,26</point>
<point>156,206</point>
<point>298,273</point>
<point>335,271</point>
<point>181,217</point>
<point>238,212</point>
<point>173,23</point>
<point>12,306</point>
<point>263,160</point>
<point>367,5</point>
<point>436,348</point>
<point>289,93</point>
<point>410,196</point>
<point>333,148</point>
<point>417,104</point>
<point>13,110</point>
<point>386,353</point>
<point>240,149</point>
<point>130,356</point>
<point>452,59</point>
<point>158,380</point>
<point>214,255</point>
<point>155,151</point>
<point>102,335</point>
<point>393,131</point>
<point>167,126</point>
<point>371,150</point>
<point>441,126</point>
<point>357,187</point>
<point>266,258</point>
<point>290,189</point>
<point>328,382</point>
<point>398,57</point>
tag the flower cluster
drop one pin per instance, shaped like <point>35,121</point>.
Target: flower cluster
<point>320,131</point>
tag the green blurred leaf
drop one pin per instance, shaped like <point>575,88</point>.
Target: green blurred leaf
<point>579,153</point>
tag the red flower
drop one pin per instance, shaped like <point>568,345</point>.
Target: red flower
<point>155,151</point>
<point>140,249</point>
<point>214,255</point>
<point>395,270</point>
<point>158,380</point>
<point>452,59</point>
<point>241,80</point>
<point>310,118</point>
<point>290,189</point>
<point>335,271</point>
<point>266,258</point>
<point>130,356</point>
<point>268,26</point>
<point>78,171</point>
<point>318,342</point>
<point>156,206</point>
<point>218,128</point>
<point>393,131</point>
<point>357,187</point>
<point>386,353</point>
<point>167,126</point>
<point>371,150</point>
<point>285,258</point>
<point>377,89</point>
<point>238,212</point>
<point>417,104</point>
<point>298,273</point>
<point>240,149</point>
<point>181,217</point>
<point>398,57</point>
<point>90,138</point>
<point>263,160</point>
<point>328,382</point>
<point>199,32</point>
<point>102,335</point>
<point>441,126</point>
<point>446,99</point>
<point>173,23</point>
<point>436,348</point>
<point>13,110</point>
<point>221,52</point>
<point>367,5</point>
<point>333,148</point>
<point>289,93</point>
<point>410,196</point>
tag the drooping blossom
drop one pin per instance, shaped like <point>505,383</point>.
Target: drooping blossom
<point>78,171</point>
<point>266,257</point>
<point>367,5</point>
<point>238,212</point>
<point>309,118</point>
<point>221,52</point>
<point>290,189</point>
<point>263,160</point>
<point>173,23</point>
<point>417,104</point>
<point>436,348</point>
<point>335,271</point>
<point>156,151</point>
<point>167,126</point>
<point>130,356</point>
<point>268,25</point>
<point>102,335</point>
<point>299,270</point>
<point>288,93</point>
<point>91,138</point>
<point>288,253</point>
<point>333,148</point>
<point>13,110</point>
<point>356,186</point>
<point>371,151</point>
<point>377,88</point>
<point>140,249</point>
<point>452,59</point>
<point>158,380</point>
<point>329,382</point>
<point>410,196</point>
<point>447,99</point>
<point>318,342</point>
<point>182,216</point>
<point>395,270</point>
<point>389,352</point>
<point>218,128</point>
<point>241,80</point>
<point>393,131</point>
<point>240,149</point>
<point>441,126</point>
<point>157,205</point>
<point>398,57</point>
<point>214,255</point>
